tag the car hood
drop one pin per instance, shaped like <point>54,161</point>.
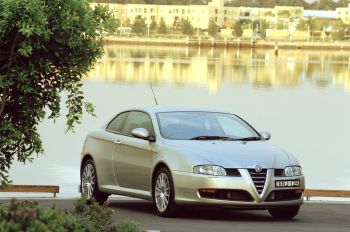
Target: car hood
<point>233,154</point>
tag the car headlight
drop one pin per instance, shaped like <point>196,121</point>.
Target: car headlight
<point>209,170</point>
<point>293,171</point>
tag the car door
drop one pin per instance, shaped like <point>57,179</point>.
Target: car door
<point>107,146</point>
<point>132,158</point>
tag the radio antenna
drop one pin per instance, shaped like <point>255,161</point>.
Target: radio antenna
<point>154,96</point>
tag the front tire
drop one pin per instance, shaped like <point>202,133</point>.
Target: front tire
<point>284,213</point>
<point>163,193</point>
<point>89,185</point>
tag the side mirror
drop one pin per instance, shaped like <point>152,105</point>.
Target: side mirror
<point>266,135</point>
<point>140,133</point>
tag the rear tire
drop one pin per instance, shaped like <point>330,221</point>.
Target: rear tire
<point>163,193</point>
<point>284,213</point>
<point>89,184</point>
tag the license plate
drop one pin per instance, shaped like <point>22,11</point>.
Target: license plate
<point>287,183</point>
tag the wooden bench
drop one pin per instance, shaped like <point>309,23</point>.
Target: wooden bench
<point>32,189</point>
<point>325,193</point>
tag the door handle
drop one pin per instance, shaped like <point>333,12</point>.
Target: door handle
<point>117,142</point>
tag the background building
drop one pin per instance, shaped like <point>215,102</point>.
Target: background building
<point>343,13</point>
<point>200,15</point>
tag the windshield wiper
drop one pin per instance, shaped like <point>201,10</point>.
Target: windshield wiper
<point>209,137</point>
<point>249,139</point>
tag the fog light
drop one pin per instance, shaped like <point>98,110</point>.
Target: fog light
<point>210,191</point>
<point>298,191</point>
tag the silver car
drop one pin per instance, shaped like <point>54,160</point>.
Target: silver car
<point>190,156</point>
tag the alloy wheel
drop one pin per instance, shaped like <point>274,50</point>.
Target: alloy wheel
<point>88,180</point>
<point>162,192</point>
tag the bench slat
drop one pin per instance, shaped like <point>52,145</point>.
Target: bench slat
<point>326,193</point>
<point>32,189</point>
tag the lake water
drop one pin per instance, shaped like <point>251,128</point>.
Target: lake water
<point>301,97</point>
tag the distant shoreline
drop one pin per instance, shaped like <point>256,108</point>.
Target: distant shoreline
<point>306,45</point>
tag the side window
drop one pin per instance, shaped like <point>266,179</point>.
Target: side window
<point>138,120</point>
<point>117,123</point>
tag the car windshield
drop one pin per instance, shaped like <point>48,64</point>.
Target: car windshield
<point>204,126</point>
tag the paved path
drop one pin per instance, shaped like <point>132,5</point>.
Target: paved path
<point>312,217</point>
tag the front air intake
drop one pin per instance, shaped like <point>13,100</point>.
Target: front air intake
<point>258,178</point>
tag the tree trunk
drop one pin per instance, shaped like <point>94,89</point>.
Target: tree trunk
<point>2,103</point>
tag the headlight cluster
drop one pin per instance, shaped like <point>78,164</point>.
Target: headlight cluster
<point>293,171</point>
<point>210,170</point>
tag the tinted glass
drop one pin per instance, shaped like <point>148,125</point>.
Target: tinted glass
<point>117,123</point>
<point>187,125</point>
<point>138,120</point>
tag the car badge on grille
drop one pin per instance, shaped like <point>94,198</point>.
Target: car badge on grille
<point>258,168</point>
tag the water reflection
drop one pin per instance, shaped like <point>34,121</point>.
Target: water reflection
<point>213,66</point>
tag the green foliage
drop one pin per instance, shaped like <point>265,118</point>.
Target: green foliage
<point>99,216</point>
<point>186,27</point>
<point>109,23</point>
<point>153,26</point>
<point>339,30</point>
<point>46,47</point>
<point>308,24</point>
<point>263,27</point>
<point>29,216</point>
<point>212,28</point>
<point>237,29</point>
<point>284,13</point>
<point>139,27</point>
<point>129,226</point>
<point>162,28</point>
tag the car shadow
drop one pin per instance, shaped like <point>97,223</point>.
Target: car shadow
<point>195,212</point>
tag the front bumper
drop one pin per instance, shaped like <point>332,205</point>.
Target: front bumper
<point>188,184</point>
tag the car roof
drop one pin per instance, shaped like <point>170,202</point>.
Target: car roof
<point>165,109</point>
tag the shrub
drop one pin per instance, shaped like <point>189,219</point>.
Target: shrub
<point>29,216</point>
<point>129,226</point>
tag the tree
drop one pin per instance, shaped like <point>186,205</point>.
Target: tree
<point>186,27</point>
<point>263,27</point>
<point>212,28</point>
<point>139,26</point>
<point>46,47</point>
<point>176,25</point>
<point>237,29</point>
<point>162,29</point>
<point>339,30</point>
<point>284,13</point>
<point>153,26</point>
<point>311,25</point>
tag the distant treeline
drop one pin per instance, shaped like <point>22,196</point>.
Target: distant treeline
<point>315,5</point>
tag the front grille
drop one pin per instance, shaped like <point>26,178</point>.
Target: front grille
<point>258,178</point>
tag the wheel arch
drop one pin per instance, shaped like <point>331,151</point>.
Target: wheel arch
<point>159,165</point>
<point>85,158</point>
